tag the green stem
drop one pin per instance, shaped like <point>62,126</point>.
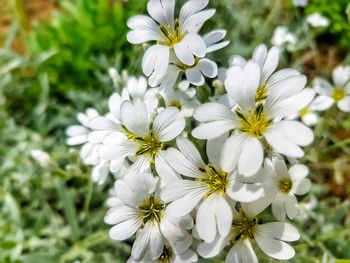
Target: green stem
<point>335,146</point>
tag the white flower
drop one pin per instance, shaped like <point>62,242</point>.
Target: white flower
<point>180,100</point>
<point>282,36</point>
<point>196,73</point>
<point>212,188</point>
<point>281,187</point>
<point>306,107</point>
<point>172,253</point>
<point>301,3</point>
<point>140,138</point>
<point>339,93</point>
<point>272,239</point>
<point>317,20</point>
<point>43,158</point>
<point>141,211</point>
<point>178,36</point>
<point>254,121</point>
<point>79,135</point>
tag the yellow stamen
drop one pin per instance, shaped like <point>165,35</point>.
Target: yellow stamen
<point>216,181</point>
<point>285,185</point>
<point>338,94</point>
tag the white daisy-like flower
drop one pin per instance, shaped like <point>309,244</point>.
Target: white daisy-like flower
<point>140,138</point>
<point>317,20</point>
<point>270,80</point>
<point>196,73</point>
<point>254,122</point>
<point>172,253</point>
<point>338,93</point>
<point>306,107</point>
<point>141,211</point>
<point>178,36</point>
<point>180,100</point>
<point>79,135</point>
<point>211,188</point>
<point>281,185</point>
<point>271,238</point>
<point>282,36</point>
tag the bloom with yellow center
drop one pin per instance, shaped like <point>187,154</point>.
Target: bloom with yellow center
<point>211,190</point>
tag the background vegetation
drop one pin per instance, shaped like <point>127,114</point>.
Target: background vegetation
<point>54,58</point>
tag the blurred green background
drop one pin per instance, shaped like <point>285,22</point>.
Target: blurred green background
<point>54,60</point>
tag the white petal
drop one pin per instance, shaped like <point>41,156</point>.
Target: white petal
<point>344,104</point>
<point>244,192</point>
<point>194,76</point>
<point>76,130</point>
<point>196,44</point>
<point>281,231</point>
<point>208,68</point>
<point>169,124</point>
<point>278,209</point>
<point>291,206</point>
<point>135,117</point>
<point>100,173</point>
<point>186,204</point>
<point>194,23</point>
<point>190,151</point>
<point>183,165</point>
<point>212,111</point>
<point>120,214</point>
<point>223,216</point>
<point>259,54</point>
<point>242,252</point>
<point>142,242</point>
<point>270,64</point>
<point>209,250</point>
<point>125,229</point>
<point>322,103</point>
<point>164,170</point>
<point>296,132</point>
<point>205,220</point>
<point>77,140</point>
<point>114,104</point>
<point>283,145</point>
<point>162,11</point>
<point>211,130</point>
<point>323,87</point>
<point>251,156</point>
<point>214,149</point>
<point>341,75</point>
<point>285,88</point>
<point>184,53</point>
<point>156,242</point>
<point>231,152</point>
<point>274,248</point>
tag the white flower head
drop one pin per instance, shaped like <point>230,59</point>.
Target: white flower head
<point>211,189</point>
<point>257,118</point>
<point>197,73</point>
<point>139,137</point>
<point>271,238</point>
<point>338,93</point>
<point>79,135</point>
<point>172,35</point>
<point>282,36</point>
<point>317,20</point>
<point>282,185</point>
<point>306,107</point>
<point>180,100</point>
<point>141,211</point>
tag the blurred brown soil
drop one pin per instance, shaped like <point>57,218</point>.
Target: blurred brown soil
<point>34,10</point>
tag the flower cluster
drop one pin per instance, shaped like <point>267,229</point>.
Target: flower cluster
<point>194,175</point>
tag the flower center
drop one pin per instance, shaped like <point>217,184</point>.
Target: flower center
<point>254,123</point>
<point>176,103</point>
<point>216,181</point>
<point>149,145</point>
<point>304,112</point>
<point>338,94</point>
<point>151,209</point>
<point>166,255</point>
<point>244,226</point>
<point>172,35</point>
<point>285,185</point>
<point>261,94</point>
